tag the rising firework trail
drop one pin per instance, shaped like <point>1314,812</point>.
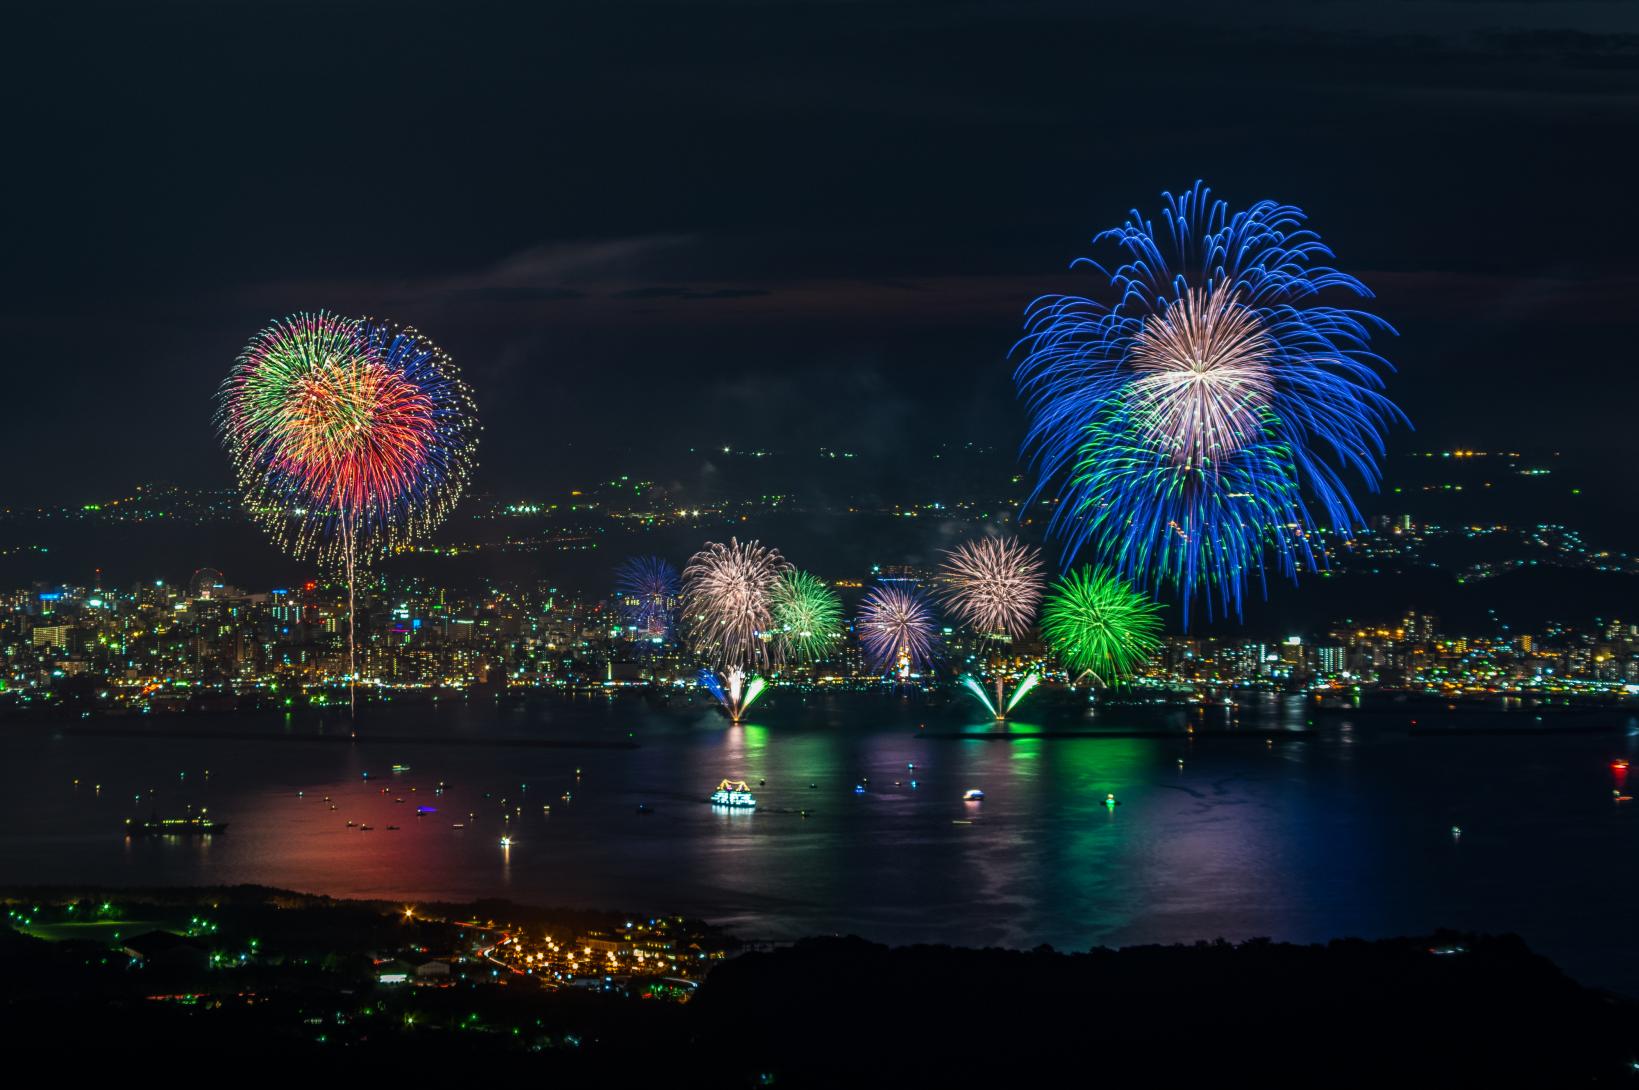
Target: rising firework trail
<point>349,438</point>
<point>896,629</point>
<point>1201,415</point>
<point>1099,626</point>
<point>994,586</point>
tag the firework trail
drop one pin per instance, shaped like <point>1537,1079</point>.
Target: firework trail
<point>896,628</point>
<point>1207,413</point>
<point>993,585</point>
<point>1096,623</point>
<point>728,600</point>
<point>349,437</point>
<point>647,588</point>
<point>807,616</point>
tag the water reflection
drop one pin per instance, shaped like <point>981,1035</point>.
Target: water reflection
<point>1308,836</point>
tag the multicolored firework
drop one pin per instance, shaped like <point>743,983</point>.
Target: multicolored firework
<point>646,589</point>
<point>737,696</point>
<point>349,436</point>
<point>807,616</point>
<point>728,600</point>
<point>1097,624</point>
<point>993,585</point>
<point>896,628</point>
<point>1207,414</point>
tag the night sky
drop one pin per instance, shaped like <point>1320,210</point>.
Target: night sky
<point>639,228</point>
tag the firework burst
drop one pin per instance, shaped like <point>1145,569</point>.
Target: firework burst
<point>728,600</point>
<point>993,585</point>
<point>1096,623</point>
<point>896,628</point>
<point>348,437</point>
<point>807,616</point>
<point>647,589</point>
<point>1207,413</point>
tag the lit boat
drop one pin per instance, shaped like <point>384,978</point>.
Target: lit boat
<point>188,826</point>
<point>401,768</point>
<point>973,795</point>
<point>735,793</point>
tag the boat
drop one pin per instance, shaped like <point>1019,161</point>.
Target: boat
<point>458,825</point>
<point>734,793</point>
<point>401,768</point>
<point>1620,764</point>
<point>644,808</point>
<point>188,826</point>
<point>366,828</point>
<point>392,828</point>
<point>973,795</point>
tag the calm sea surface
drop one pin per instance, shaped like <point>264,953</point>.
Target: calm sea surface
<point>1346,832</point>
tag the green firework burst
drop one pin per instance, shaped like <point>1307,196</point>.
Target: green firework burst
<point>807,616</point>
<point>1096,622</point>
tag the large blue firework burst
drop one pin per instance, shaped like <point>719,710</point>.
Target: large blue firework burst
<point>646,590</point>
<point>1198,421</point>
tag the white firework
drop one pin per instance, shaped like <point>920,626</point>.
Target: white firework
<point>1205,375</point>
<point>896,628</point>
<point>993,585</point>
<point>727,600</point>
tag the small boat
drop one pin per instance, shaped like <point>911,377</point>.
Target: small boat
<point>458,825</point>
<point>644,808</point>
<point>366,828</point>
<point>859,789</point>
<point>392,828</point>
<point>426,810</point>
<point>1617,796</point>
<point>401,768</point>
<point>1111,801</point>
<point>735,794</point>
<point>973,794</point>
<point>1620,764</point>
<point>352,824</point>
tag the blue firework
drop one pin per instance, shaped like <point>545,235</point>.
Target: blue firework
<point>646,590</point>
<point>1198,421</point>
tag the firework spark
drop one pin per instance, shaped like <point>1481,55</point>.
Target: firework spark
<point>349,437</point>
<point>728,600</point>
<point>646,588</point>
<point>896,628</point>
<point>993,585</point>
<point>807,616</point>
<point>1203,375</point>
<point>1215,398</point>
<point>1096,623</point>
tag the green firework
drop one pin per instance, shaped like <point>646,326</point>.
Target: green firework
<point>1097,623</point>
<point>807,616</point>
